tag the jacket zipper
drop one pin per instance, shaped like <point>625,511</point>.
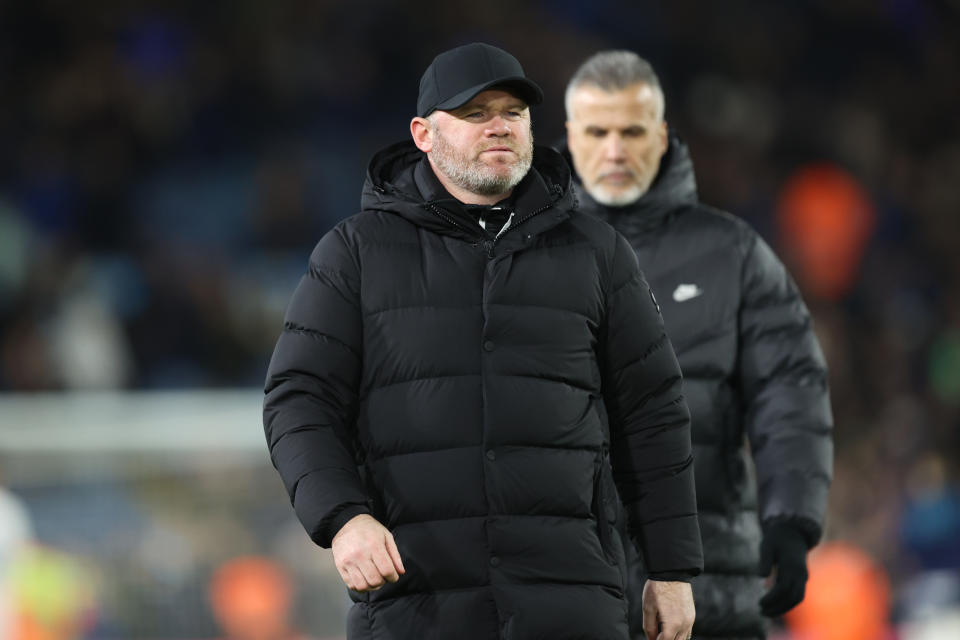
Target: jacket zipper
<point>487,243</point>
<point>522,220</point>
<point>440,214</point>
<point>519,222</point>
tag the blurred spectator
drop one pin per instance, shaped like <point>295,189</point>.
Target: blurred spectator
<point>930,522</point>
<point>53,595</point>
<point>15,533</point>
<point>88,347</point>
<point>944,367</point>
<point>848,597</point>
<point>252,598</point>
<point>825,221</point>
<point>16,239</point>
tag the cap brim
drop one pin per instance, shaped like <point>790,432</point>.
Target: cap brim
<point>524,89</point>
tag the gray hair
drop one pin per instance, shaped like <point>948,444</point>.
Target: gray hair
<point>611,71</point>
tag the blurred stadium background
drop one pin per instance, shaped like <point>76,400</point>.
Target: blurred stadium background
<point>166,167</point>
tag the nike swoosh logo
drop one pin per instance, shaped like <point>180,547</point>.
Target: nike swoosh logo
<point>685,292</point>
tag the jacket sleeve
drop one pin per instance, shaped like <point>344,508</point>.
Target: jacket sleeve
<point>783,378</point>
<point>311,390</point>
<point>649,424</point>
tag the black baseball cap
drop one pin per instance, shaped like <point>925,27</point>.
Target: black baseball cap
<point>456,76</point>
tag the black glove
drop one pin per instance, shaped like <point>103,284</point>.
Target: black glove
<point>785,547</point>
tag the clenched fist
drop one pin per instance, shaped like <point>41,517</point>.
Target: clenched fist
<point>366,555</point>
<point>668,611</point>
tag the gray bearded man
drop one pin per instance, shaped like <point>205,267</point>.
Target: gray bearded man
<point>466,369</point>
<point>754,374</point>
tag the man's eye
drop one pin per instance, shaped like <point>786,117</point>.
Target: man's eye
<point>634,132</point>
<point>474,115</point>
<point>596,133</point>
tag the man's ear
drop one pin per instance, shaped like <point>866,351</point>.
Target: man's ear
<point>663,135</point>
<point>422,133</point>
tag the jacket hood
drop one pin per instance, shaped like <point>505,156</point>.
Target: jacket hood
<point>674,187</point>
<point>391,186</point>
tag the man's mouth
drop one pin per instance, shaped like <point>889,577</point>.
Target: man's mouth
<point>617,176</point>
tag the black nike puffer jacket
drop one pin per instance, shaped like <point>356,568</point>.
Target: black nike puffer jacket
<point>476,396</point>
<point>755,380</point>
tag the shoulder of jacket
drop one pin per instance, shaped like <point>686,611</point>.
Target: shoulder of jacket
<point>369,223</point>
<point>721,227</point>
<point>717,220</point>
<point>347,237</point>
<point>593,227</point>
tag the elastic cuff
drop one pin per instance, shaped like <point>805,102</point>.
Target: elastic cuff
<point>345,515</point>
<point>806,527</point>
<point>674,576</point>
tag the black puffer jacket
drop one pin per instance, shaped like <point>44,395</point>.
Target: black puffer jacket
<point>753,373</point>
<point>462,391</point>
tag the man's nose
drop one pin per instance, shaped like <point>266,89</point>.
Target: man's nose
<point>613,149</point>
<point>497,126</point>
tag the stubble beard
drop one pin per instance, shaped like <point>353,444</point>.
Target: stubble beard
<point>475,176</point>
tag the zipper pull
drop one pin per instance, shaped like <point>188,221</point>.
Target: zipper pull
<point>506,225</point>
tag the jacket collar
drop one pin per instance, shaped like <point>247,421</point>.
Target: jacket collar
<point>399,180</point>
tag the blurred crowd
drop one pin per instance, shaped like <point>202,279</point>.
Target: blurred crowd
<point>173,554</point>
<point>167,168</point>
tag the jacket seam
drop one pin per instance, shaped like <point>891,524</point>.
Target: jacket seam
<point>290,327</point>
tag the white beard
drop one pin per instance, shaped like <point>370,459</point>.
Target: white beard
<point>615,199</point>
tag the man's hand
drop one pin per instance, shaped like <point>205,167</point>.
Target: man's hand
<point>668,611</point>
<point>784,547</point>
<point>365,554</point>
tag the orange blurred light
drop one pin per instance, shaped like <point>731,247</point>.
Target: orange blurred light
<point>825,218</point>
<point>251,598</point>
<point>847,597</point>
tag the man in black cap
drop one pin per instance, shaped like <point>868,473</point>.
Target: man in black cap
<point>752,367</point>
<point>464,371</point>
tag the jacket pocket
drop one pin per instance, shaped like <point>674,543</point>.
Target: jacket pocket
<point>602,508</point>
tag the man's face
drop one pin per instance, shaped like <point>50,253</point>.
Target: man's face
<point>616,139</point>
<point>485,146</point>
